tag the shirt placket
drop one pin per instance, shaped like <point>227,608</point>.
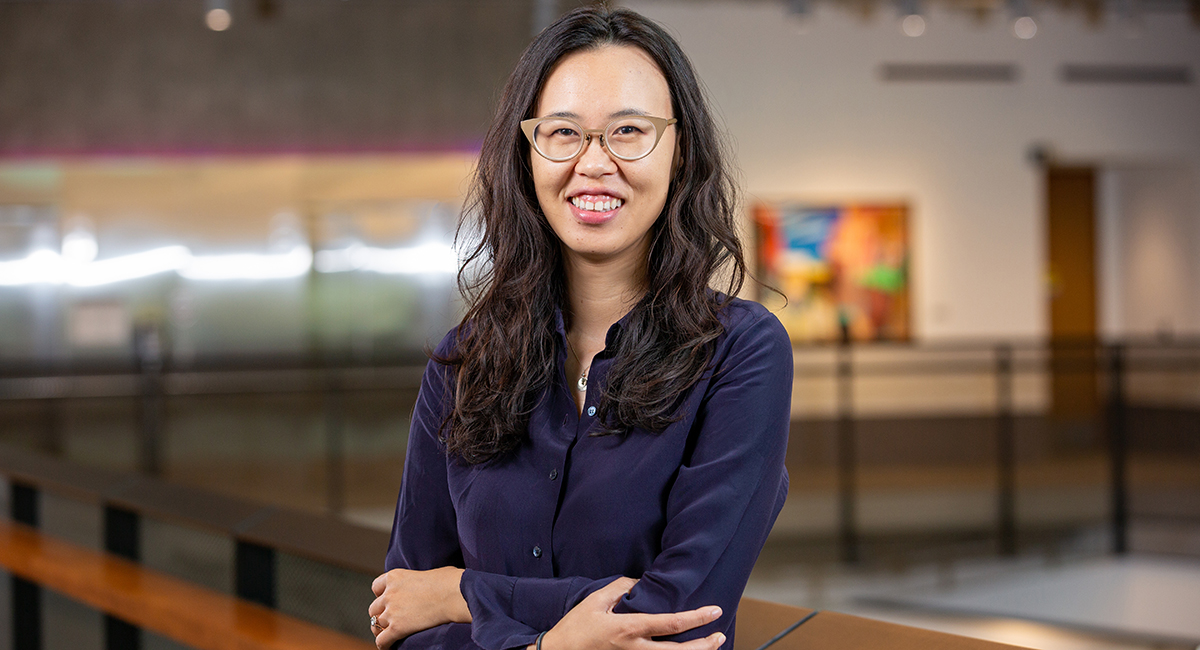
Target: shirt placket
<point>562,439</point>
<point>575,425</point>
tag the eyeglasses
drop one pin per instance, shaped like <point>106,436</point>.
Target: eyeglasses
<point>629,138</point>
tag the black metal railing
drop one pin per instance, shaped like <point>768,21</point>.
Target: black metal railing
<point>333,383</point>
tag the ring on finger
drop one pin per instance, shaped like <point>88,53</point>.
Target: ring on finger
<point>375,623</point>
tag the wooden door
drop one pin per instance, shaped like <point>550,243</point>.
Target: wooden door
<point>1071,274</point>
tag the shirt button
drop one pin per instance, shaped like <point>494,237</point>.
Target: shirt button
<point>591,410</point>
<point>553,474</point>
<point>537,551</point>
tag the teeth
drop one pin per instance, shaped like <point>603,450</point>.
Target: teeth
<point>596,206</point>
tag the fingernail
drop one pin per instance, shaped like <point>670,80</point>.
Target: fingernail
<point>714,613</point>
<point>720,639</point>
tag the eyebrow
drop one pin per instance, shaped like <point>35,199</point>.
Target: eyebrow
<point>625,112</point>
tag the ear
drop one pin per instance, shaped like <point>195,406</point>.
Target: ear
<point>677,157</point>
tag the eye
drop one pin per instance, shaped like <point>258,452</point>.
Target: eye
<point>565,132</point>
<point>627,129</point>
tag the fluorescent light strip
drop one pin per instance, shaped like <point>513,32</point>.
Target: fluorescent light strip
<point>127,267</point>
<point>249,266</point>
<point>422,259</point>
<point>49,267</point>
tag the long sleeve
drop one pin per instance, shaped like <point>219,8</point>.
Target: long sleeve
<point>424,534</point>
<point>720,507</point>
<point>424,531</point>
<point>725,500</point>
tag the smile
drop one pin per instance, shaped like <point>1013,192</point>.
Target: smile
<point>596,203</point>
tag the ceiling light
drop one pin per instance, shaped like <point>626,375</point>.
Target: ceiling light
<point>217,16</point>
<point>913,25</point>
<point>1025,28</point>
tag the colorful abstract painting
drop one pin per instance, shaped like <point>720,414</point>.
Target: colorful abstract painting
<point>843,269</point>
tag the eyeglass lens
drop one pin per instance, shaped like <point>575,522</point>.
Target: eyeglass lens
<point>561,139</point>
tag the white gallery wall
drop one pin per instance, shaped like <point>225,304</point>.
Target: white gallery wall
<point>811,117</point>
<point>1149,229</point>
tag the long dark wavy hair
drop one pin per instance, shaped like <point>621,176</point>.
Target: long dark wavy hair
<point>506,350</point>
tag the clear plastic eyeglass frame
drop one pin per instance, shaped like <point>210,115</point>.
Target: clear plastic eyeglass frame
<point>660,125</point>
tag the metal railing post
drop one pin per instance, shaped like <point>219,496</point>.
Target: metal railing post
<point>254,573</point>
<point>847,456</point>
<point>335,453</point>
<point>122,537</point>
<point>147,347</point>
<point>1118,449</point>
<point>26,595</point>
<point>53,439</point>
<point>1006,481</point>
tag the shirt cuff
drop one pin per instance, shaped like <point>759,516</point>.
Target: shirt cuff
<point>451,636</point>
<point>500,616</point>
<point>507,610</point>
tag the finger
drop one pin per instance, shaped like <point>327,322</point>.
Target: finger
<point>610,594</point>
<point>378,584</point>
<point>386,637</point>
<point>676,623</point>
<point>377,607</point>
<point>621,585</point>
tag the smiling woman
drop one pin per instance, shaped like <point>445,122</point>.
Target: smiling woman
<point>596,455</point>
<point>578,193</point>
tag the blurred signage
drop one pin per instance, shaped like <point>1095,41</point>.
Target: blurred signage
<point>99,324</point>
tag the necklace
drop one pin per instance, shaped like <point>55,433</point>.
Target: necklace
<point>581,383</point>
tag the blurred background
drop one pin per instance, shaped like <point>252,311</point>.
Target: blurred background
<point>227,242</point>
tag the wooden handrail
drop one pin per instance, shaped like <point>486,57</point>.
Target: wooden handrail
<point>192,615</point>
<point>208,620</point>
<point>837,631</point>
<point>758,621</point>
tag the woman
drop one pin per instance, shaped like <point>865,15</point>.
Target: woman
<point>596,454</point>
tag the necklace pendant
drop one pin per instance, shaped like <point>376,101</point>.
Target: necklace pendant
<point>581,385</point>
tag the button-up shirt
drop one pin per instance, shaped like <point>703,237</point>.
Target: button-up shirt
<point>685,510</point>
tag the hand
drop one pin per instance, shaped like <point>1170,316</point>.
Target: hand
<point>592,624</point>
<point>410,601</point>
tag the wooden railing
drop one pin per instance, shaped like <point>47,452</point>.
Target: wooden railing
<point>193,616</point>
<point>823,630</point>
<point>135,597</point>
<point>108,571</point>
<point>206,620</point>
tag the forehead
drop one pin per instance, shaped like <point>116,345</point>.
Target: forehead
<point>598,83</point>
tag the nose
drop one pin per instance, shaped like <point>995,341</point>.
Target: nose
<point>595,160</point>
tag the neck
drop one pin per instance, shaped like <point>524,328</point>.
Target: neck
<point>599,294</point>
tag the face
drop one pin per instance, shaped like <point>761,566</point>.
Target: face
<point>593,87</point>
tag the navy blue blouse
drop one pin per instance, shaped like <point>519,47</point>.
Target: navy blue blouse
<point>686,510</point>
